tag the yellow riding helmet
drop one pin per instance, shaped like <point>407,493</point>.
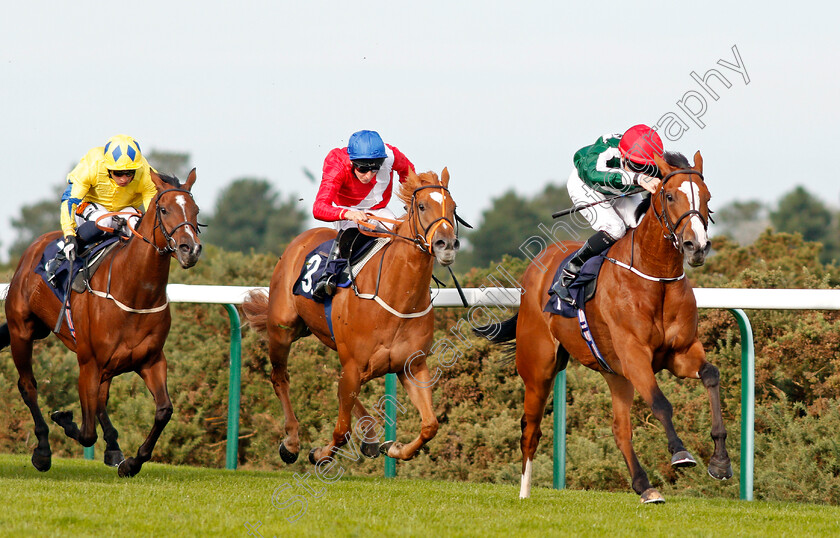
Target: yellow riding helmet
<point>122,153</point>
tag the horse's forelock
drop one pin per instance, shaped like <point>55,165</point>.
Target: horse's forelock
<point>170,180</point>
<point>412,183</point>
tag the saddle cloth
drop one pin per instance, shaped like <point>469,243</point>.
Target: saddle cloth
<point>582,289</point>
<point>89,259</point>
<point>315,265</point>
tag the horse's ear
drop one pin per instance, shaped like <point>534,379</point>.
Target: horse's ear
<point>159,183</point>
<point>444,177</point>
<point>664,167</point>
<point>190,180</point>
<point>698,162</point>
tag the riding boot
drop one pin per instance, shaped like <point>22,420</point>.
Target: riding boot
<point>595,245</point>
<point>326,285</point>
<point>51,267</point>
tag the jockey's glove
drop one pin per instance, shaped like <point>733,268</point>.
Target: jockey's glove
<point>71,246</point>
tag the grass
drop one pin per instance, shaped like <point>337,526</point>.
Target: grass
<point>83,498</point>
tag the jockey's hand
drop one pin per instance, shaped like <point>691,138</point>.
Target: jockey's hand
<point>648,183</point>
<point>71,246</point>
<point>356,216</point>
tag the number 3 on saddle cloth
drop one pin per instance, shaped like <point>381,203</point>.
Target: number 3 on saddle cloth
<point>315,267</point>
<point>582,290</point>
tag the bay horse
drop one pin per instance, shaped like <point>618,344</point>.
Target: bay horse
<point>643,318</point>
<point>372,338</point>
<point>121,332</point>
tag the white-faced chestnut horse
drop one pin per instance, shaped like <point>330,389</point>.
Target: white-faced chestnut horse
<point>123,332</point>
<point>372,339</point>
<point>643,320</point>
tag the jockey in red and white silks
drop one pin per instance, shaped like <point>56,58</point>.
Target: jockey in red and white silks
<point>357,182</point>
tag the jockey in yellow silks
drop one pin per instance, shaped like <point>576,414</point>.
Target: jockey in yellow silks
<point>115,177</point>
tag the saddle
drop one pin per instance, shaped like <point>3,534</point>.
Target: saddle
<point>582,289</point>
<point>85,265</point>
<point>341,267</point>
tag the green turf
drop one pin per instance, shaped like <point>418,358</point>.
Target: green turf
<point>83,498</point>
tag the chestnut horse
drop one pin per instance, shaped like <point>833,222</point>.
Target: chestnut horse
<point>122,332</point>
<point>643,319</point>
<point>372,338</point>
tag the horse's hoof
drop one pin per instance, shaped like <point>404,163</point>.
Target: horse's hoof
<point>384,447</point>
<point>287,456</point>
<point>720,470</point>
<point>113,457</point>
<point>126,468</point>
<point>652,496</point>
<point>683,459</point>
<point>42,460</point>
<point>62,417</point>
<point>370,450</point>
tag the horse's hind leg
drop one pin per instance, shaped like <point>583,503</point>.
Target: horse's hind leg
<point>22,355</point>
<point>366,428</point>
<point>349,383</point>
<point>278,348</point>
<point>536,362</point>
<point>621,392</point>
<point>154,374</point>
<point>419,390</point>
<point>113,454</point>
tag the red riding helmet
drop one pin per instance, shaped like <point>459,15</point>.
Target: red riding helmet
<point>640,143</point>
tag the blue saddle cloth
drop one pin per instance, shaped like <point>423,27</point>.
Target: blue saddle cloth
<point>315,266</point>
<point>582,289</point>
<point>62,275</point>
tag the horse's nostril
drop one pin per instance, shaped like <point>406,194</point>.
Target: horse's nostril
<point>690,246</point>
<point>440,244</point>
<point>457,244</point>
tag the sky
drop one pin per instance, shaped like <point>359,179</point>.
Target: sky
<point>501,93</point>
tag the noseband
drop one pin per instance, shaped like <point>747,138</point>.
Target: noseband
<point>424,240</point>
<point>675,235</point>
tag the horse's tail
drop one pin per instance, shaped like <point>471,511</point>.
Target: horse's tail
<point>255,308</point>
<point>5,338</point>
<point>499,333</point>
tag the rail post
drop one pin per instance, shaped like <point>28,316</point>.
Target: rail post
<point>235,389</point>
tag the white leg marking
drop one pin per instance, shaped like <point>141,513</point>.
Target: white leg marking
<point>525,485</point>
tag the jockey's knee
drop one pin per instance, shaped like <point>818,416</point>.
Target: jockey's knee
<point>615,231</point>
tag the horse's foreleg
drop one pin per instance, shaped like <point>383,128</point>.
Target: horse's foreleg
<point>366,427</point>
<point>279,353</point>
<point>113,454</point>
<point>636,366</point>
<point>419,390</point>
<point>720,466</point>
<point>621,392</point>
<point>154,375</point>
<point>22,356</point>
<point>349,383</point>
<point>89,382</point>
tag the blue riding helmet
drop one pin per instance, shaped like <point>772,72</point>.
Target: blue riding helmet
<point>366,145</point>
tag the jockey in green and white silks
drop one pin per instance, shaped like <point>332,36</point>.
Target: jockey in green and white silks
<point>614,164</point>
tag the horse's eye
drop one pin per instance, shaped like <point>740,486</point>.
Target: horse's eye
<point>421,207</point>
<point>163,211</point>
<point>669,197</point>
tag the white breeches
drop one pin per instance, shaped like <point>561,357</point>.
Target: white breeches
<point>93,211</point>
<point>612,217</point>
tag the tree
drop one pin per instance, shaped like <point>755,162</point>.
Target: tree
<point>801,212</point>
<point>248,215</point>
<point>177,164</point>
<point>509,221</point>
<point>35,220</point>
<point>742,221</point>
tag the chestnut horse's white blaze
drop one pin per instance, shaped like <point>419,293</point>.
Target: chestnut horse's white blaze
<point>692,192</point>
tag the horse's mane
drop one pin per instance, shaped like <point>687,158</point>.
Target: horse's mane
<point>413,182</point>
<point>676,159</point>
<point>170,179</point>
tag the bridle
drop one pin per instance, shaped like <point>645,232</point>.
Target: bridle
<point>423,240</point>
<point>167,234</point>
<point>674,232</point>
